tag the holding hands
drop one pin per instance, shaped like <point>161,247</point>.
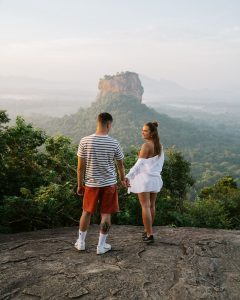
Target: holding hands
<point>125,182</point>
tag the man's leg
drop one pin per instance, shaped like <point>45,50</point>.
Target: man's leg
<point>84,220</point>
<point>83,226</point>
<point>89,204</point>
<point>105,224</point>
<point>108,204</point>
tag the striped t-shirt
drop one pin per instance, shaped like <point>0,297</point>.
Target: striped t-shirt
<point>99,152</point>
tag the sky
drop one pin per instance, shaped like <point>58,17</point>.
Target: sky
<point>194,43</point>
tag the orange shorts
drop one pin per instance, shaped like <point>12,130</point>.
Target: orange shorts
<point>106,196</point>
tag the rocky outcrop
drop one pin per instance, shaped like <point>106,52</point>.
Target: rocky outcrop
<point>126,83</point>
<point>182,264</point>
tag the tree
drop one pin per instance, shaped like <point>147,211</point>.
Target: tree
<point>224,186</point>
<point>60,160</point>
<point>3,118</point>
<point>38,179</point>
<point>176,176</point>
<point>226,194</point>
<point>19,157</point>
<point>3,148</point>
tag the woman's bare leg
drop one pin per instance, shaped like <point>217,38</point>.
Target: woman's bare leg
<point>153,197</point>
<point>144,199</point>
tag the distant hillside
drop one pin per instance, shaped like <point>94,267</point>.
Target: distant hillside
<point>212,154</point>
<point>208,151</point>
<point>129,116</point>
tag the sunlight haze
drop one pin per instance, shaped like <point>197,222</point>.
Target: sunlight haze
<point>193,43</point>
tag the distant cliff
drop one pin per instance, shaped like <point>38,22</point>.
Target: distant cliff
<point>125,83</point>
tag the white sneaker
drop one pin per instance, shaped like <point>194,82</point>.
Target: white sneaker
<point>79,245</point>
<point>103,249</point>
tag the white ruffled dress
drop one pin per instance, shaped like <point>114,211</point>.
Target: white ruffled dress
<point>145,175</point>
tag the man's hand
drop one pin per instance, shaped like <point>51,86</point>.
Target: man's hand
<point>80,191</point>
<point>125,183</point>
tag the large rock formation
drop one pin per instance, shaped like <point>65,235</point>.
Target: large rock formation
<point>126,83</point>
<point>182,264</point>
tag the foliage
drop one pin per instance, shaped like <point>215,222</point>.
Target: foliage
<point>59,160</point>
<point>38,179</point>
<point>20,163</point>
<point>51,206</point>
<point>176,174</point>
<point>38,184</point>
<point>224,186</point>
<point>226,193</point>
<point>3,118</point>
<point>206,213</point>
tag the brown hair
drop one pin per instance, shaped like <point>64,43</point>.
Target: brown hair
<point>154,134</point>
<point>104,117</point>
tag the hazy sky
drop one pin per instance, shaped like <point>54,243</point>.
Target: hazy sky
<point>195,43</point>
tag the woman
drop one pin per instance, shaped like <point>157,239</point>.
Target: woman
<point>144,177</point>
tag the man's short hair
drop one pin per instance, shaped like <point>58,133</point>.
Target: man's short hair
<point>104,117</point>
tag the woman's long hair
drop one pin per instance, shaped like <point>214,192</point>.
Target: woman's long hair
<point>155,137</point>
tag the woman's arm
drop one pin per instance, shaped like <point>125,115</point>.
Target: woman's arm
<point>136,169</point>
<point>144,152</point>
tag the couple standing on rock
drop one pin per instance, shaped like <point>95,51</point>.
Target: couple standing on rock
<point>97,179</point>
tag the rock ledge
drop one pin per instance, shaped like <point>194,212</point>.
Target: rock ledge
<point>183,263</point>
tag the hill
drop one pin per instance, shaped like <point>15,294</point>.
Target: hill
<point>183,263</point>
<point>212,154</point>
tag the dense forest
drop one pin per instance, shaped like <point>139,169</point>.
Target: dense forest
<point>212,153</point>
<point>38,185</point>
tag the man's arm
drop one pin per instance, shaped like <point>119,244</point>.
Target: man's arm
<point>121,172</point>
<point>80,175</point>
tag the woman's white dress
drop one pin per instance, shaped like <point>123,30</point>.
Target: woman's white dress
<point>145,175</point>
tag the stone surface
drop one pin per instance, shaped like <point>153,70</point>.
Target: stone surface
<point>126,83</point>
<point>183,263</point>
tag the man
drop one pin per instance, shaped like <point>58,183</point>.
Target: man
<point>97,179</point>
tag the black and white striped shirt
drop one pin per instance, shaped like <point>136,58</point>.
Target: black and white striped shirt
<point>99,152</point>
